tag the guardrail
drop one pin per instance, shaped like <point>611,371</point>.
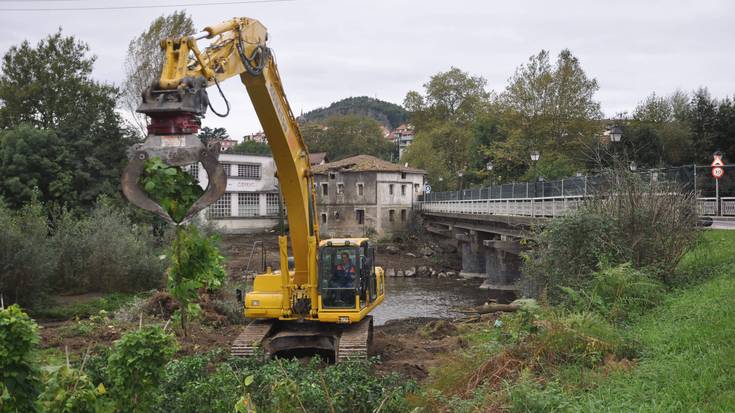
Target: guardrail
<point>546,207</point>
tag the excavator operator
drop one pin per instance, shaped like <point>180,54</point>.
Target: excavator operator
<point>344,274</point>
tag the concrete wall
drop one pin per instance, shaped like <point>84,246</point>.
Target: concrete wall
<point>259,214</point>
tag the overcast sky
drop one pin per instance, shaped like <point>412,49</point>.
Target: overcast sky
<point>331,49</point>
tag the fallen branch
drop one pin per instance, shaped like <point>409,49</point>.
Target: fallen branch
<point>491,308</point>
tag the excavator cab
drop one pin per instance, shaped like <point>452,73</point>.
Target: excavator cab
<point>347,276</point>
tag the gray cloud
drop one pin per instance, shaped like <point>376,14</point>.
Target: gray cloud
<point>331,49</point>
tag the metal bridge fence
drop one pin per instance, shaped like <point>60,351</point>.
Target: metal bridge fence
<point>557,198</point>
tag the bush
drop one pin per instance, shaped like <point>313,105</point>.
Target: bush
<point>26,261</point>
<point>105,252</point>
<point>650,224</point>
<point>569,250</point>
<point>527,395</point>
<point>136,366</point>
<point>69,391</point>
<point>19,376</point>
<point>617,293</point>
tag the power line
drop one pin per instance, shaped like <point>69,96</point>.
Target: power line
<point>218,3</point>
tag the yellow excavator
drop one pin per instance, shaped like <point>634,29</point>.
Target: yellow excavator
<point>322,305</point>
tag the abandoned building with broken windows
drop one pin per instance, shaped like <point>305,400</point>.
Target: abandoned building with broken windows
<point>362,194</point>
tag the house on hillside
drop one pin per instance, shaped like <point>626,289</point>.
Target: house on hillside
<point>256,137</point>
<point>402,137</point>
<point>318,158</point>
<point>251,202</point>
<point>362,194</point>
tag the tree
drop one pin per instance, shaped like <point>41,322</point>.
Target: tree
<point>444,152</point>
<point>343,136</point>
<point>217,134</point>
<point>551,109</point>
<point>251,148</point>
<point>33,159</point>
<point>144,62</point>
<point>451,96</point>
<point>49,87</point>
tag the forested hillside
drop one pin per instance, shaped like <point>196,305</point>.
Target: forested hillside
<point>388,114</point>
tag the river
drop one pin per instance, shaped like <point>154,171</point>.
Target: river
<point>428,297</point>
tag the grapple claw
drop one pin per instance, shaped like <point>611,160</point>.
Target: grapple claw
<point>174,150</point>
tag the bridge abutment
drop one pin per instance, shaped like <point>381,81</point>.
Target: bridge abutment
<point>473,259</point>
<point>502,264</point>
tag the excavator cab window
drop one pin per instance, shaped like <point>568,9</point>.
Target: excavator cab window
<point>340,275</point>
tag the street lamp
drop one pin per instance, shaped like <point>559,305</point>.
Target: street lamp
<point>460,174</point>
<point>535,155</point>
<point>489,166</point>
<point>633,166</point>
<point>616,133</point>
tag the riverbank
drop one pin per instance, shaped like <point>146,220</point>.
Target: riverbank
<point>679,356</point>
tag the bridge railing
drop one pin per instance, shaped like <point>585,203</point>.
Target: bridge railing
<point>530,207</point>
<point>556,198</point>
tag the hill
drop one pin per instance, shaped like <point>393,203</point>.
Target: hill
<point>388,114</point>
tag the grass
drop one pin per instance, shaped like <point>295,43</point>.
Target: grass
<point>682,358</point>
<point>53,310</point>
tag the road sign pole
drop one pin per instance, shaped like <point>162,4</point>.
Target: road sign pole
<point>717,196</point>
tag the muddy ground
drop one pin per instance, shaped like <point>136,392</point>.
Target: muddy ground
<point>404,346</point>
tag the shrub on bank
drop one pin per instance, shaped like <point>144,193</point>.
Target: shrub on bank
<point>104,251</point>
<point>20,381</point>
<point>26,259</point>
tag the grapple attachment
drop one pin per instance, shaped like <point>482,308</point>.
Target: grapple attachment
<point>172,137</point>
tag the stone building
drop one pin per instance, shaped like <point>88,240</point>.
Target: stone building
<point>362,194</point>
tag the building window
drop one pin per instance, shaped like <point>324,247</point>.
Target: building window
<point>416,188</point>
<point>360,189</point>
<point>227,168</point>
<point>324,218</point>
<point>249,171</point>
<point>392,215</point>
<point>403,215</point>
<point>194,171</point>
<point>325,189</point>
<point>390,189</point>
<point>220,208</point>
<point>340,188</point>
<point>248,204</point>
<point>332,175</point>
<point>271,204</point>
<point>403,175</point>
<point>336,215</point>
<point>360,216</point>
<point>403,189</point>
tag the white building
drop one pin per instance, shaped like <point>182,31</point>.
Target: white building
<point>251,201</point>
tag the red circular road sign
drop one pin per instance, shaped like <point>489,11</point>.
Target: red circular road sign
<point>717,172</point>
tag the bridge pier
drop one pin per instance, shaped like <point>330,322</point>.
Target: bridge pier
<point>473,259</point>
<point>502,264</point>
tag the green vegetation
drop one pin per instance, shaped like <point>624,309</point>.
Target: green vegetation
<point>172,188</point>
<point>53,309</point>
<point>100,252</point>
<point>59,131</point>
<point>19,376</point>
<point>343,136</point>
<point>388,114</point>
<point>196,264</point>
<point>135,367</point>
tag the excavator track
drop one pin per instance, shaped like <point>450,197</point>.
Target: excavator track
<point>251,338</point>
<point>354,344</point>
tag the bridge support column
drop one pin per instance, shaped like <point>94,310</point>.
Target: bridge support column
<point>502,264</point>
<point>471,251</point>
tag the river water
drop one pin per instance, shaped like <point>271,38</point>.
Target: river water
<point>428,297</point>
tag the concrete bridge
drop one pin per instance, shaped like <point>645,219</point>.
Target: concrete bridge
<point>490,224</point>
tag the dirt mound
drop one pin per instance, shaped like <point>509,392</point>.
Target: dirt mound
<point>438,329</point>
<point>403,350</point>
<point>161,304</point>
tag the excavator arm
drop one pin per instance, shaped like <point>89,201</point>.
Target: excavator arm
<point>178,101</point>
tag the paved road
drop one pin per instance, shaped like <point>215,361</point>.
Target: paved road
<point>722,223</point>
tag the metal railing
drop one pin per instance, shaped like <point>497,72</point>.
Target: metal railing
<point>557,198</point>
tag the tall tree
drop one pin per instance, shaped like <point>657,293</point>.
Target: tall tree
<point>49,87</point>
<point>343,136</point>
<point>551,109</point>
<point>144,62</point>
<point>452,96</point>
<point>207,134</point>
